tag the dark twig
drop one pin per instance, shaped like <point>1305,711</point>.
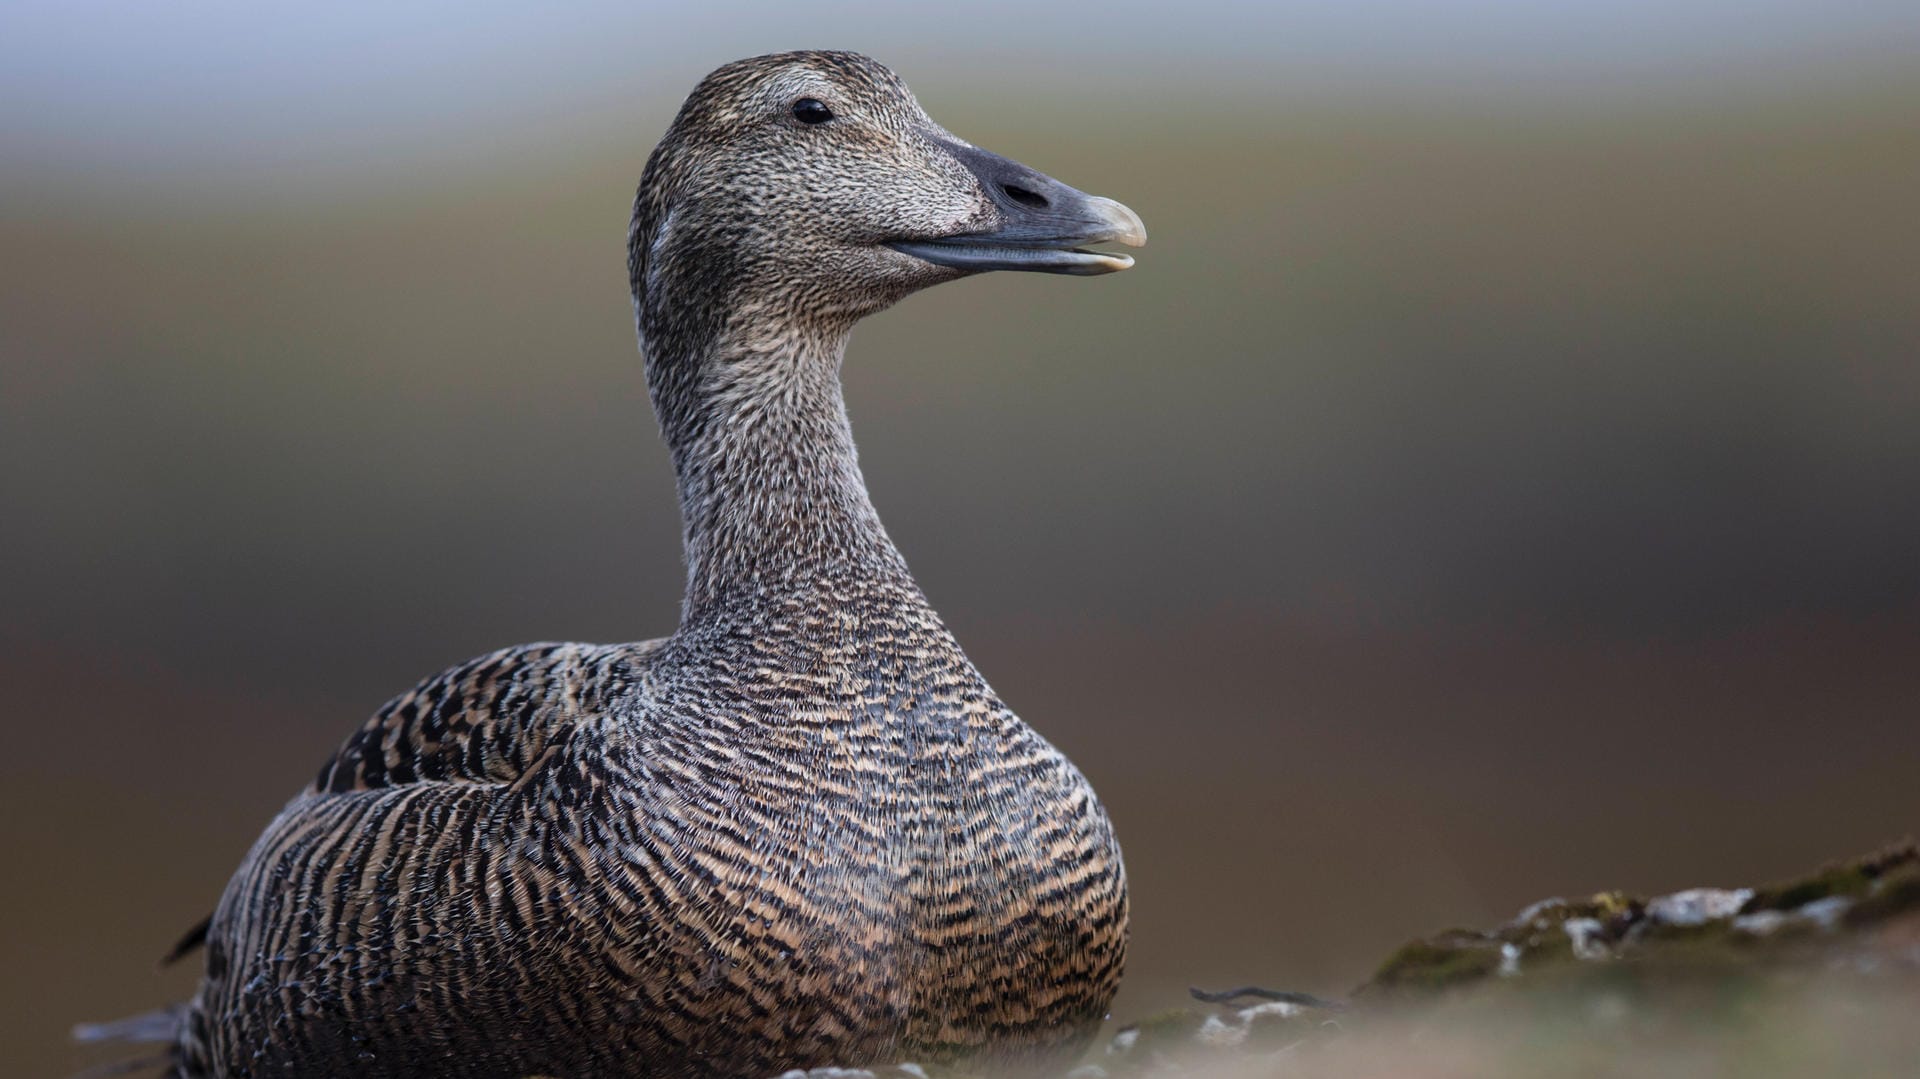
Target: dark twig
<point>1254,992</point>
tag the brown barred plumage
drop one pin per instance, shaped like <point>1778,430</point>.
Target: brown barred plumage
<point>802,830</point>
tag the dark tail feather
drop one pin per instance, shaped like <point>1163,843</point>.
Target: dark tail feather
<point>195,938</point>
<point>161,1026</point>
<point>156,1026</point>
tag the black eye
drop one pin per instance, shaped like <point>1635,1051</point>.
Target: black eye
<point>809,110</point>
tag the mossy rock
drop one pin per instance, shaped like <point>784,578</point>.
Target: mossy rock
<point>1896,893</point>
<point>1849,879</point>
<point>1610,969</point>
<point>1683,937</point>
<point>1447,961</point>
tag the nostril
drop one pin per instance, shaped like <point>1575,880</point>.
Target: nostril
<point>1025,197</point>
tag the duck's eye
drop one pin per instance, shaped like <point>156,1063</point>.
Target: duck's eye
<point>809,110</point>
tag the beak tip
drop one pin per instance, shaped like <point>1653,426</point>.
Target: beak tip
<point>1128,229</point>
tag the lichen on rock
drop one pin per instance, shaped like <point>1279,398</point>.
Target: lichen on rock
<point>1603,985</point>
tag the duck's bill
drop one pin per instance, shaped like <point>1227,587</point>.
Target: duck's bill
<point>980,253</point>
<point>1036,222</point>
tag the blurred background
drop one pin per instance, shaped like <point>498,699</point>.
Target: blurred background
<point>1498,478</point>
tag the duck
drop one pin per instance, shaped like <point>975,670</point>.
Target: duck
<point>801,831</point>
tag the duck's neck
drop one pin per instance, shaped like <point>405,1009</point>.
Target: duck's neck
<point>771,497</point>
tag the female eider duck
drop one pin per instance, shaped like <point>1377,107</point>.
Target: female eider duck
<point>801,831</point>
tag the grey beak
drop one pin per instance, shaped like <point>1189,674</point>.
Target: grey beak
<point>1042,223</point>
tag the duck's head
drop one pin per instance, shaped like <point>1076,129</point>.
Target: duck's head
<point>815,179</point>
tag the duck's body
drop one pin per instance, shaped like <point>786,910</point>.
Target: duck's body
<point>810,839</point>
<point>802,830</point>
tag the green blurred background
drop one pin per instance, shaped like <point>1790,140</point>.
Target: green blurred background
<point>1497,479</point>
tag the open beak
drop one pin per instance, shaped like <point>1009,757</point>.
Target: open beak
<point>1042,225</point>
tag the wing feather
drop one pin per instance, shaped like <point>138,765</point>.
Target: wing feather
<point>488,720</point>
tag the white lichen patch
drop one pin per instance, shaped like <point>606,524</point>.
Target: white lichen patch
<point>1825,913</point>
<point>1219,1034</point>
<point>1585,934</point>
<point>1278,1009</point>
<point>1533,914</point>
<point>1509,960</point>
<point>1697,906</point>
<point>1761,922</point>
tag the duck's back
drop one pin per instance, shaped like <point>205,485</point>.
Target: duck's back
<point>810,840</point>
<point>402,910</point>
